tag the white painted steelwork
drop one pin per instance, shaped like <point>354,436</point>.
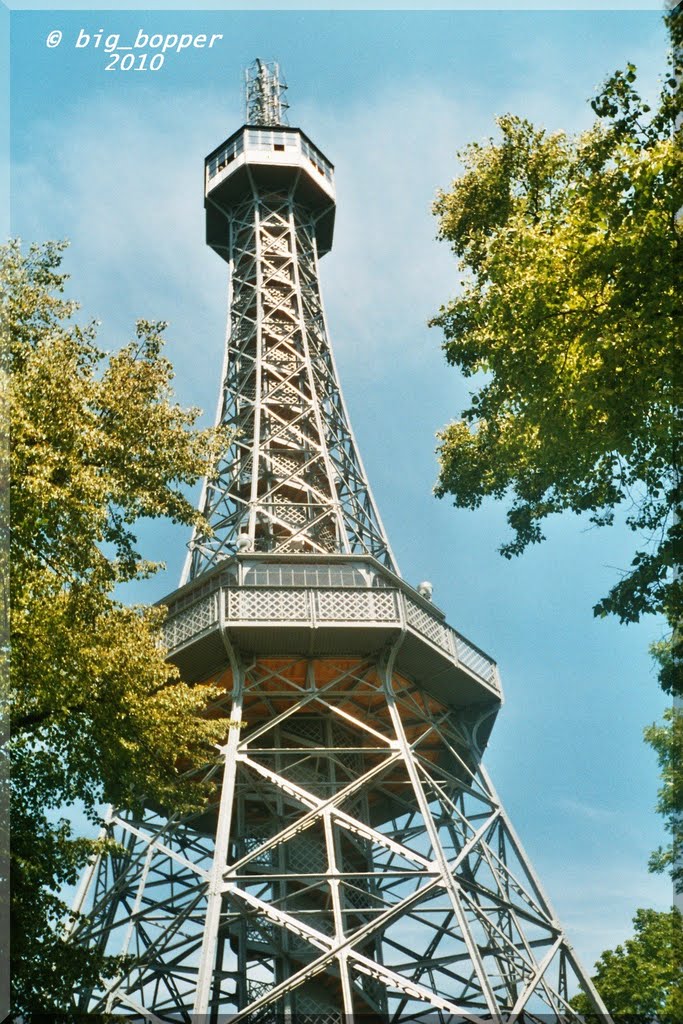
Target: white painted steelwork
<point>355,854</point>
<point>292,480</point>
<point>353,861</point>
<point>265,89</point>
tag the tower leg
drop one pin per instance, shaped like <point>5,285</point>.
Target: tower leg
<point>447,878</point>
<point>207,959</point>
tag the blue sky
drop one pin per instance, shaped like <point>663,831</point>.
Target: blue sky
<point>114,161</point>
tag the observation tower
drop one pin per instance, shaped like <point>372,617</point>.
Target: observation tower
<point>356,863</point>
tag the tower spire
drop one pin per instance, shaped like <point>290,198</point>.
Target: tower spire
<point>265,100</point>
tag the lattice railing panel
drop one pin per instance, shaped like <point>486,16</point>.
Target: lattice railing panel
<point>268,604</point>
<point>260,931</point>
<point>258,835</point>
<point>474,659</point>
<point>191,621</point>
<point>428,625</point>
<point>384,603</point>
<point>305,853</point>
<point>356,605</point>
<point>314,1011</point>
<point>340,605</point>
<point>306,727</point>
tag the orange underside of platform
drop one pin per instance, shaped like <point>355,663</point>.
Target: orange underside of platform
<point>351,686</point>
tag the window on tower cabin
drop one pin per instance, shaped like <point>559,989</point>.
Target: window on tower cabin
<point>279,141</point>
<point>304,576</point>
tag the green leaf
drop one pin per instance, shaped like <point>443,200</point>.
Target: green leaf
<point>97,715</point>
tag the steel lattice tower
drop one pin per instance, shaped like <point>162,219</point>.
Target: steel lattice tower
<point>356,862</point>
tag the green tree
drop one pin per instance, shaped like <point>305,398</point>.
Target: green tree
<point>643,978</point>
<point>97,715</point>
<point>667,741</point>
<point>572,260</point>
<point>570,250</point>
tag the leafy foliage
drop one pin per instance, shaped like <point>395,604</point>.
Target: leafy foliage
<point>97,715</point>
<point>643,978</point>
<point>666,739</point>
<point>571,305</point>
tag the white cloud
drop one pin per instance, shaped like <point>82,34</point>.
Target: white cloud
<point>604,815</point>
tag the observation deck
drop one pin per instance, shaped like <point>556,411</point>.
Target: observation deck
<point>323,606</point>
<point>262,159</point>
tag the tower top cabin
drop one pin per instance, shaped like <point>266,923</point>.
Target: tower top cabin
<point>266,155</point>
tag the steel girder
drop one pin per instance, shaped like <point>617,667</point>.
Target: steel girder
<point>354,860</point>
<point>292,479</point>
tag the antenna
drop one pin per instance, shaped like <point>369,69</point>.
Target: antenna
<point>265,88</point>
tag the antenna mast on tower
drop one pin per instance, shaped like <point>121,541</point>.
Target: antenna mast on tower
<point>265,89</point>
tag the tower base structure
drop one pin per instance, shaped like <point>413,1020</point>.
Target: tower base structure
<point>354,862</point>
